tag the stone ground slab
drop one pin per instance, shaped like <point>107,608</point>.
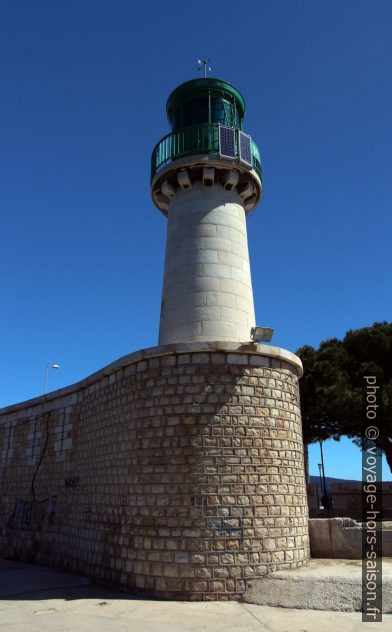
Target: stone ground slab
<point>36,599</point>
<point>323,584</point>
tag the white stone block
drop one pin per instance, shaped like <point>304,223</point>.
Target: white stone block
<point>200,298</point>
<point>216,270</point>
<point>235,315</point>
<point>220,298</point>
<point>204,313</point>
<point>241,276</point>
<point>180,316</point>
<point>227,233</point>
<point>235,210</point>
<point>203,256</point>
<point>243,332</point>
<point>235,287</point>
<point>183,333</point>
<point>205,284</point>
<point>214,243</point>
<point>240,249</point>
<point>231,259</point>
<point>206,230</point>
<point>244,303</point>
<point>225,331</point>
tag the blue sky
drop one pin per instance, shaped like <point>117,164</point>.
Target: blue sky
<point>84,86</point>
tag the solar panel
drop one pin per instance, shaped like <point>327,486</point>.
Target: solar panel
<point>226,142</point>
<point>245,148</point>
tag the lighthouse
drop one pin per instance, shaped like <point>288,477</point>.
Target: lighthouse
<point>206,179</point>
<point>189,455</point>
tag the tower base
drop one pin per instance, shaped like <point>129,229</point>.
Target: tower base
<point>176,471</point>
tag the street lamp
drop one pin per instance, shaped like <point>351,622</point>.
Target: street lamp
<point>326,498</point>
<point>321,494</point>
<point>49,366</point>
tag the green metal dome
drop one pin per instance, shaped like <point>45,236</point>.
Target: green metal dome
<point>205,101</point>
<point>206,118</point>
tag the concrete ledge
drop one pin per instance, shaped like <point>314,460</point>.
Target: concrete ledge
<point>274,355</point>
<point>320,585</point>
<point>341,538</point>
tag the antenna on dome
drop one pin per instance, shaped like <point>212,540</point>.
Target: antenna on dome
<point>206,64</point>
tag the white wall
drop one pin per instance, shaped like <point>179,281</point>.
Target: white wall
<point>207,290</point>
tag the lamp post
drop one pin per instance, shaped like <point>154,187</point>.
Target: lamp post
<point>321,485</point>
<point>326,499</point>
<point>49,366</point>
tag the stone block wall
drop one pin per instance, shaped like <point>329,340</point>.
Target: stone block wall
<point>207,288</point>
<point>174,472</point>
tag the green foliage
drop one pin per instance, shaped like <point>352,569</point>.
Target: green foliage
<point>332,386</point>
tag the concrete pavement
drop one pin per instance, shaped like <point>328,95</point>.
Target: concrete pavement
<point>37,599</point>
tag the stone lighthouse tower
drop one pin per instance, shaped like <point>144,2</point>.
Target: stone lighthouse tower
<point>206,178</point>
<point>183,463</point>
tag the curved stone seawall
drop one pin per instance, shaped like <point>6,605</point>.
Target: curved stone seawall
<point>177,471</point>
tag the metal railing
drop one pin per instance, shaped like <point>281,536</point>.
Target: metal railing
<point>195,139</point>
